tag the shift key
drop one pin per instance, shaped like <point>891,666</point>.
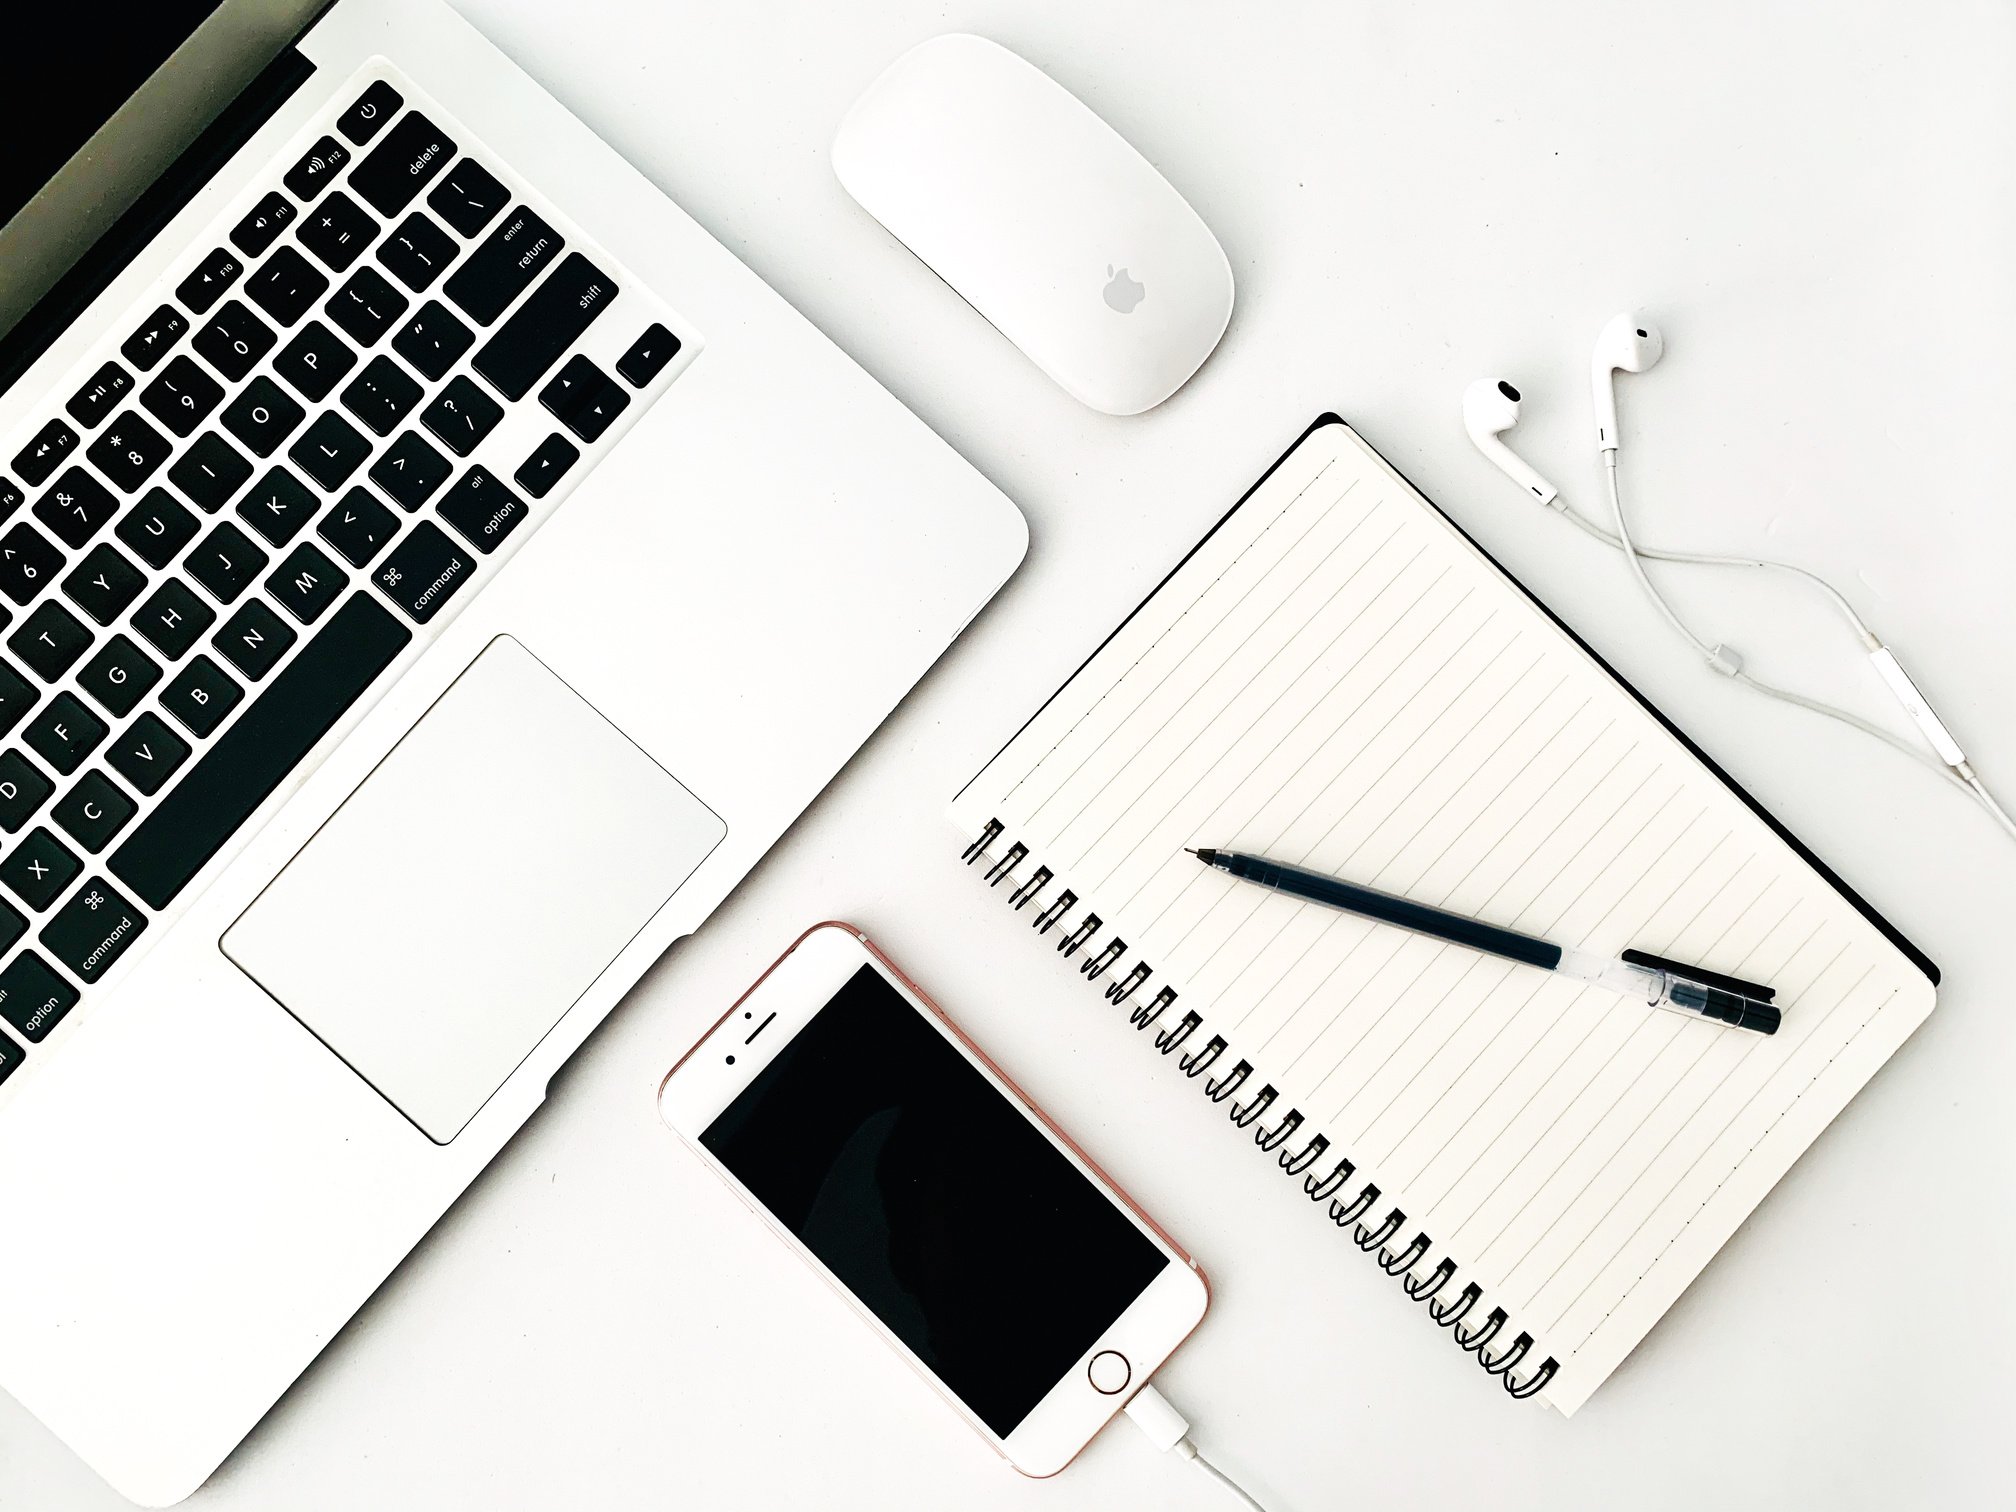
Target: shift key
<point>498,271</point>
<point>92,930</point>
<point>542,328</point>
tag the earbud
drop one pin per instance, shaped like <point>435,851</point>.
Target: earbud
<point>1489,410</point>
<point>1630,343</point>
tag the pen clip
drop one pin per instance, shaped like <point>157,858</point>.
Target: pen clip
<point>1701,975</point>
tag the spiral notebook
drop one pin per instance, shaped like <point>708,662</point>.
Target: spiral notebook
<point>1338,678</point>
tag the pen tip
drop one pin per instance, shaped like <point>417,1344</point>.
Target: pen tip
<point>1207,856</point>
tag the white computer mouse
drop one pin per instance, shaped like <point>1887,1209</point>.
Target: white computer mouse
<point>1042,217</point>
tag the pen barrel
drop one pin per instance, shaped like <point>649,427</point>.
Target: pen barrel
<point>1388,909</point>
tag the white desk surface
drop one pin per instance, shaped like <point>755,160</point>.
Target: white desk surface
<point>1817,203</point>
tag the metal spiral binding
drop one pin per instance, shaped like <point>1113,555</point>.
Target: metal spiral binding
<point>1126,989</point>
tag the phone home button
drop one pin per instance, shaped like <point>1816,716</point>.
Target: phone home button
<point>1109,1372</point>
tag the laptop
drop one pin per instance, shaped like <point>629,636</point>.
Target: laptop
<point>433,571</point>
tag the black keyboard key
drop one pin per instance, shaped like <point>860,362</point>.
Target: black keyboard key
<point>382,395</point>
<point>77,507</point>
<point>263,223</point>
<point>148,754</point>
<point>201,695</point>
<point>17,697</point>
<point>552,318</point>
<point>462,415</point>
<point>648,355</point>
<point>104,583</point>
<point>207,283</point>
<point>423,572</point>
<point>400,166</point>
<point>366,307</point>
<point>232,778</point>
<point>119,676</point>
<point>363,120</point>
<point>584,398</point>
<point>93,811</point>
<point>50,640</point>
<point>482,510</point>
<point>172,618</point>
<point>159,332</point>
<point>32,997</point>
<point>225,562</point>
<point>418,251</point>
<point>11,1056</point>
<point>23,790</point>
<point>234,340</point>
<point>254,639</point>
<point>501,268</point>
<point>210,472</point>
<point>11,498</point>
<point>330,450</point>
<point>410,471</point>
<point>92,930</point>
<point>129,451</point>
<point>338,231</point>
<point>279,506</point>
<point>156,528</point>
<point>262,416</point>
<point>358,527</point>
<point>433,341</point>
<point>182,396</point>
<point>287,285</point>
<point>38,868</point>
<point>314,361</point>
<point>28,563</point>
<point>547,465</point>
<point>44,453</point>
<point>63,732</point>
<point>104,389</point>
<point>306,583</point>
<point>468,197</point>
<point>317,168</point>
<point>12,928</point>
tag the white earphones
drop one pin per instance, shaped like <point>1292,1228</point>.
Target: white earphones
<point>1489,410</point>
<point>1631,343</point>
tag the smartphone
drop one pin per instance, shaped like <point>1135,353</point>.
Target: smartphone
<point>967,1230</point>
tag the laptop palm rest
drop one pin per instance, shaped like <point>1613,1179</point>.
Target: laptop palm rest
<point>456,905</point>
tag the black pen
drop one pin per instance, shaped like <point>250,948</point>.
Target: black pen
<point>1661,983</point>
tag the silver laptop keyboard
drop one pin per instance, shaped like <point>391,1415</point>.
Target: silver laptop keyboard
<point>299,452</point>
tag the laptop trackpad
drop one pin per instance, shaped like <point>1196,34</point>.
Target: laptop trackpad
<point>453,909</point>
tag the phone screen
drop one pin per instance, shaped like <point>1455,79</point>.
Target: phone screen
<point>934,1200</point>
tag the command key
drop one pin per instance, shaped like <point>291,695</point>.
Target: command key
<point>92,930</point>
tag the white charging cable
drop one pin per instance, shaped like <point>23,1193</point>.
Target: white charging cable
<point>1166,1428</point>
<point>1946,757</point>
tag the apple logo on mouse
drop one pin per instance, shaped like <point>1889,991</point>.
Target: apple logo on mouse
<point>1122,292</point>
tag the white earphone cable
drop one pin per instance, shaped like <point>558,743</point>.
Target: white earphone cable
<point>1709,559</point>
<point>1730,665</point>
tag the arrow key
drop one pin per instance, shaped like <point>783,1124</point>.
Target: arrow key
<point>647,356</point>
<point>584,398</point>
<point>539,472</point>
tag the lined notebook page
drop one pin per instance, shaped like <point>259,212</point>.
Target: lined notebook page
<point>1339,680</point>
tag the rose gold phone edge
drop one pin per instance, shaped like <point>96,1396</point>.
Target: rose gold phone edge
<point>1183,1264</point>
